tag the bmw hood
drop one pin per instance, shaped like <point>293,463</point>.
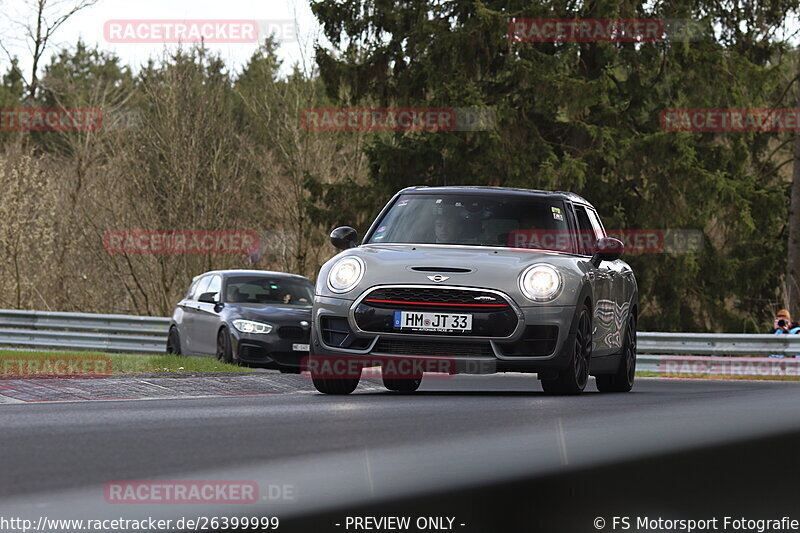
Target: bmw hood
<point>271,312</point>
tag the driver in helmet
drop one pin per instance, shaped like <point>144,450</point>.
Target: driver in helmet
<point>447,227</point>
<point>451,227</point>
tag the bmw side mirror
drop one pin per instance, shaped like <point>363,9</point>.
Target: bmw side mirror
<point>344,238</point>
<point>607,249</point>
<point>207,298</point>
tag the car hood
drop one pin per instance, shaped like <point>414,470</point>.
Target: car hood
<point>267,311</point>
<point>496,268</point>
<point>441,252</point>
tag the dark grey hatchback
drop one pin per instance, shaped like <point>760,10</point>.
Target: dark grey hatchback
<point>245,316</point>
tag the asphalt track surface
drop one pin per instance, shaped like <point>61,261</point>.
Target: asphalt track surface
<point>373,451</point>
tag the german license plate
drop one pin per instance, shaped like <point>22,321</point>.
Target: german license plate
<point>432,321</point>
<point>301,347</point>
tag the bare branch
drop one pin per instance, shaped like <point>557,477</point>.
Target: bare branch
<point>48,18</point>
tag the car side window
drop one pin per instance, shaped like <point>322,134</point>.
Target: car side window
<point>199,287</point>
<point>215,286</point>
<point>192,287</point>
<point>586,232</point>
<point>596,224</point>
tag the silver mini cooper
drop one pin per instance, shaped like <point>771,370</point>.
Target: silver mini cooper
<point>477,280</point>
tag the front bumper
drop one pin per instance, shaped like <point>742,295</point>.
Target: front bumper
<point>273,350</point>
<point>540,341</point>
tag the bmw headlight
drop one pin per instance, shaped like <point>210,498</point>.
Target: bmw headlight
<point>540,283</point>
<point>346,274</point>
<point>249,326</point>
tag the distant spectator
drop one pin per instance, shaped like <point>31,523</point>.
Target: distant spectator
<point>783,323</point>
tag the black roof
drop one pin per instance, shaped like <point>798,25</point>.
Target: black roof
<point>474,189</point>
<point>265,273</point>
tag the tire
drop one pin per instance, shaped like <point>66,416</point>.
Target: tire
<point>402,384</point>
<point>573,379</point>
<point>622,380</point>
<point>174,342</point>
<point>335,385</point>
<point>224,350</point>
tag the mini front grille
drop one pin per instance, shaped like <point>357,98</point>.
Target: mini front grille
<point>393,296</point>
<point>423,348</point>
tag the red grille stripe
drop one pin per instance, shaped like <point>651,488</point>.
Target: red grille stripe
<point>433,303</point>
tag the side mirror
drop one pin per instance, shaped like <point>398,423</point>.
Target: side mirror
<point>207,298</point>
<point>344,238</point>
<point>607,249</point>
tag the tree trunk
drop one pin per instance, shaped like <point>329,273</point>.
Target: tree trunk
<point>793,270</point>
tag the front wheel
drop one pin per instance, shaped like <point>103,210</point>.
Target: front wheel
<point>224,350</point>
<point>573,379</point>
<point>174,342</point>
<point>402,384</point>
<point>331,378</point>
<point>622,380</point>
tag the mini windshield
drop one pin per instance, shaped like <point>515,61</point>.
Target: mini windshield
<point>470,220</point>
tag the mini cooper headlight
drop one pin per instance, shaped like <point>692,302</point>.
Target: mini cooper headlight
<point>346,274</point>
<point>249,326</point>
<point>540,283</point>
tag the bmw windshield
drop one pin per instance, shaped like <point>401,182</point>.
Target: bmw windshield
<point>471,220</point>
<point>268,290</point>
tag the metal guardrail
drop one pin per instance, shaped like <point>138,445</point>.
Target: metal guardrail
<point>722,354</point>
<point>678,353</point>
<point>717,344</point>
<point>83,331</point>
